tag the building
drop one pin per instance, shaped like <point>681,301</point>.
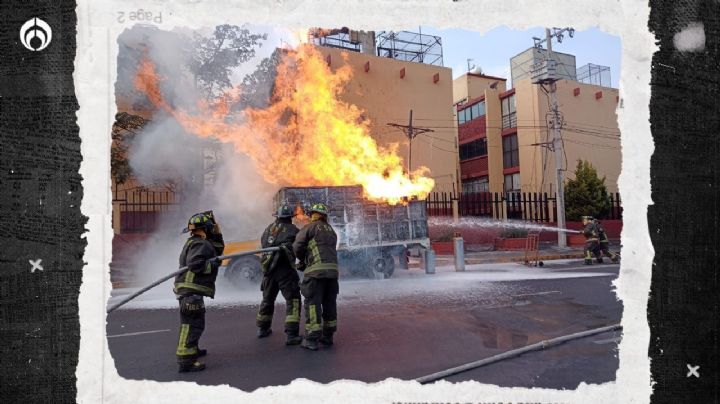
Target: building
<point>388,87</point>
<point>504,133</point>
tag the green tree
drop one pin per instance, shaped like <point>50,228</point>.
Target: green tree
<point>586,194</point>
<point>124,130</point>
<point>215,57</point>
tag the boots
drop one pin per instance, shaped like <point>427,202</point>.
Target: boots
<point>293,339</point>
<point>310,344</point>
<point>599,260</point>
<point>264,332</point>
<point>327,339</point>
<point>195,366</point>
<point>201,352</point>
<point>588,261</point>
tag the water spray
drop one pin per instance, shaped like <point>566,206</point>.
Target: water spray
<point>467,222</point>
<point>181,270</point>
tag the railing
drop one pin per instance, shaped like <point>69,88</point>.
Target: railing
<point>509,121</point>
<point>140,210</point>
<point>528,206</point>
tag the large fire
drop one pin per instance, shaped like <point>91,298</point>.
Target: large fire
<point>307,136</point>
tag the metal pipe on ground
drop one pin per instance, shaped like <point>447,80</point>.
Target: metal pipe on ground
<point>181,270</point>
<point>515,352</point>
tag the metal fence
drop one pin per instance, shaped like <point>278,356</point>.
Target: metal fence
<point>139,210</point>
<point>529,206</point>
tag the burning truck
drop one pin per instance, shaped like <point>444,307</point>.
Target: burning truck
<point>373,237</point>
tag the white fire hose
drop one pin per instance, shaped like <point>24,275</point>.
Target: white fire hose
<point>181,270</point>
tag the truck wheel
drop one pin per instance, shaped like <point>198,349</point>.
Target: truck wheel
<point>243,270</point>
<point>384,265</point>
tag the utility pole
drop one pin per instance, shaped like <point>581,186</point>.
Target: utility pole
<point>549,77</point>
<point>411,132</point>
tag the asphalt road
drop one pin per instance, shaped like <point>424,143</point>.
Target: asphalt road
<point>402,330</point>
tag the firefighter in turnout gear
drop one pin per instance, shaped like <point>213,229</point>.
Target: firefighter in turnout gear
<point>592,245</point>
<point>315,247</point>
<point>198,254</point>
<point>604,242</point>
<point>279,275</point>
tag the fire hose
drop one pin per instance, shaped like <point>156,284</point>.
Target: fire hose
<point>515,352</point>
<point>183,269</point>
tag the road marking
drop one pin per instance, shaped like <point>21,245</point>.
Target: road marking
<point>130,334</point>
<point>693,371</point>
<point>538,293</point>
<point>608,341</point>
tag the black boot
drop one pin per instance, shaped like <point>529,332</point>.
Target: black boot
<point>327,339</point>
<point>191,367</point>
<point>264,332</point>
<point>588,261</point>
<point>201,352</point>
<point>599,260</point>
<point>293,339</point>
<point>310,344</point>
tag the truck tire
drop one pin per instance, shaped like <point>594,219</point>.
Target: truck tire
<point>242,270</point>
<point>384,265</point>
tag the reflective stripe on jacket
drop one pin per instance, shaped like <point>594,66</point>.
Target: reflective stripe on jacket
<point>202,271</point>
<point>315,245</point>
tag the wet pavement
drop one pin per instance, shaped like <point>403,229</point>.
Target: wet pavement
<point>405,327</point>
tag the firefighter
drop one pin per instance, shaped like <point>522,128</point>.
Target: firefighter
<point>315,247</point>
<point>604,242</point>
<point>198,254</point>
<point>279,275</point>
<point>591,239</point>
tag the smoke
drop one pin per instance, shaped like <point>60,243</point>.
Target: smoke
<point>203,173</point>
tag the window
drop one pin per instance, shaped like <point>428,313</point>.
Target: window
<point>475,111</point>
<point>475,185</point>
<point>512,182</point>
<point>510,151</point>
<point>509,117</point>
<point>472,149</point>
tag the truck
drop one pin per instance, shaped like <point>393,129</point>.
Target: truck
<point>373,237</point>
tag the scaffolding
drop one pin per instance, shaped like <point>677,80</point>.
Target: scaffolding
<point>410,47</point>
<point>335,38</point>
<point>594,74</point>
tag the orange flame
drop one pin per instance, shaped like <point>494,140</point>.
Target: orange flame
<point>307,136</point>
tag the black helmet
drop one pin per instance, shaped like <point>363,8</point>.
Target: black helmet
<point>200,221</point>
<point>319,208</point>
<point>285,211</point>
<point>588,218</point>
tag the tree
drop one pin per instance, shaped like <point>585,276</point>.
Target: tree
<point>586,194</point>
<point>124,130</point>
<point>214,57</point>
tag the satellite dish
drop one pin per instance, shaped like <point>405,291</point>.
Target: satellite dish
<point>476,70</point>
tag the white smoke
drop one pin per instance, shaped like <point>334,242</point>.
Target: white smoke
<point>164,153</point>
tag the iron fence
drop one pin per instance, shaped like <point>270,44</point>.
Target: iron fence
<point>139,210</point>
<point>529,206</point>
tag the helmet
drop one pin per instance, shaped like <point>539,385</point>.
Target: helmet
<point>285,211</point>
<point>200,221</point>
<point>588,218</point>
<point>319,208</point>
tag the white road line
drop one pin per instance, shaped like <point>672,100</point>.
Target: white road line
<point>538,293</point>
<point>130,334</point>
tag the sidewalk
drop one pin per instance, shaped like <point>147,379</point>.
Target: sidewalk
<point>484,254</point>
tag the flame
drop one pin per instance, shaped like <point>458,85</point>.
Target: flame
<point>307,136</point>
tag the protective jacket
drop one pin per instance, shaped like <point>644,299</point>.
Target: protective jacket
<point>279,234</point>
<point>602,235</point>
<point>315,247</point>
<point>202,271</point>
<point>591,232</point>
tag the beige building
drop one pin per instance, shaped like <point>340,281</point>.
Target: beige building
<point>387,89</point>
<point>504,135</point>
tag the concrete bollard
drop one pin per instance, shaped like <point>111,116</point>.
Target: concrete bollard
<point>429,261</point>
<point>459,248</point>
